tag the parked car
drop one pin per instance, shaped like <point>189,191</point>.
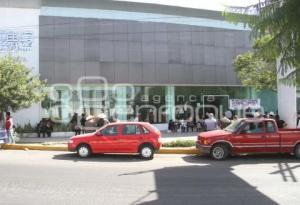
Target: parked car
<point>123,137</point>
<point>249,136</point>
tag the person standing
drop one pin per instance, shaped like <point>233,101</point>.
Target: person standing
<point>74,124</point>
<point>280,123</point>
<point>82,123</point>
<point>211,122</point>
<point>224,121</point>
<point>49,127</point>
<point>9,128</point>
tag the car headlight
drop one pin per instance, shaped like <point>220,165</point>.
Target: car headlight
<point>70,141</point>
<point>205,141</point>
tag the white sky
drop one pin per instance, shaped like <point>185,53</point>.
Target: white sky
<point>218,5</point>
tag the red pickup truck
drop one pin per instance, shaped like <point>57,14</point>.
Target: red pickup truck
<point>249,136</point>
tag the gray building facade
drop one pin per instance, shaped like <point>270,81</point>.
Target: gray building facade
<point>132,60</point>
<point>138,52</point>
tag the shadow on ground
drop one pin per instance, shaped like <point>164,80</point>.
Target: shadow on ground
<point>212,182</point>
<point>98,158</point>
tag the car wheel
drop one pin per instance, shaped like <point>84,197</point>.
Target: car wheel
<point>219,152</point>
<point>84,151</point>
<point>297,151</point>
<point>146,152</point>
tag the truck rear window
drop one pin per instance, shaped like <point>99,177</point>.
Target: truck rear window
<point>270,127</point>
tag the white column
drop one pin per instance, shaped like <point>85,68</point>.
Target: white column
<point>170,102</point>
<point>287,100</point>
<point>121,105</point>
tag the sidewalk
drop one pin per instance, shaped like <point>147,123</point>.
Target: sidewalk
<point>60,143</point>
<point>166,137</point>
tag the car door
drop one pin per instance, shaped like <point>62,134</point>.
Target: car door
<point>129,138</point>
<point>250,139</point>
<point>106,140</point>
<point>272,137</point>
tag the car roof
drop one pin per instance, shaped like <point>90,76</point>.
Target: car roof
<point>256,119</point>
<point>129,123</point>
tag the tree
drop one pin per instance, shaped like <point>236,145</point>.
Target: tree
<point>254,72</point>
<point>19,88</point>
<point>280,20</point>
<point>257,68</point>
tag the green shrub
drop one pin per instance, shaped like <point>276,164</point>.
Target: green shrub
<point>180,143</point>
<point>27,128</point>
<point>59,127</point>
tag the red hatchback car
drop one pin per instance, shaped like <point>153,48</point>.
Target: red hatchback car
<point>123,137</point>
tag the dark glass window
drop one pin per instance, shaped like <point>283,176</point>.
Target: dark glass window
<point>253,128</point>
<point>145,131</point>
<point>131,130</point>
<point>270,127</point>
<point>111,130</point>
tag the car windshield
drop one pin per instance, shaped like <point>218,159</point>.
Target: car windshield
<point>234,126</point>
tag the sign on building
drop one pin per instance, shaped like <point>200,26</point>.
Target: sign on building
<point>241,104</point>
<point>15,41</point>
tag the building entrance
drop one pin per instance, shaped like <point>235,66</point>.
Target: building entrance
<point>216,104</point>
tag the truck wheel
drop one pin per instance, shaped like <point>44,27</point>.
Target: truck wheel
<point>297,151</point>
<point>83,151</point>
<point>219,152</point>
<point>146,152</point>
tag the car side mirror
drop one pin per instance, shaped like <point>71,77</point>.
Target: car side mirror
<point>99,134</point>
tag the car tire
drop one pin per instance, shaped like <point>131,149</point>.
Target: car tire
<point>84,151</point>
<point>219,152</point>
<point>146,152</point>
<point>297,151</point>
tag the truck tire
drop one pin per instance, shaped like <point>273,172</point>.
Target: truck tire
<point>219,152</point>
<point>297,151</point>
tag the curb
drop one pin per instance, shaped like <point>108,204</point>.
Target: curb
<point>60,147</point>
<point>178,150</point>
<point>40,147</point>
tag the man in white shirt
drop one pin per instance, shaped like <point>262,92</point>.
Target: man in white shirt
<point>211,122</point>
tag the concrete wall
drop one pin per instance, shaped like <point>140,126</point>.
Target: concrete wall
<point>138,52</point>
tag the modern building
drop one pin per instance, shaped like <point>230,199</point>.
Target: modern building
<point>128,60</point>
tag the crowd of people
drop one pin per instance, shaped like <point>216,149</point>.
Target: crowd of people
<point>210,122</point>
<point>88,123</point>
<point>45,127</point>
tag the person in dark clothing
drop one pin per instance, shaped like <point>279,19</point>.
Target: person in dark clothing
<point>74,124</point>
<point>170,125</point>
<point>248,113</point>
<point>280,123</point>
<point>82,123</point>
<point>101,122</point>
<point>298,118</point>
<point>41,128</point>
<point>49,127</point>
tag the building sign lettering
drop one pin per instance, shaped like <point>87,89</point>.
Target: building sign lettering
<point>14,41</point>
<point>240,104</point>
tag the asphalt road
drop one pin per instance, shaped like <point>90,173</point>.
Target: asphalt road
<point>40,177</point>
